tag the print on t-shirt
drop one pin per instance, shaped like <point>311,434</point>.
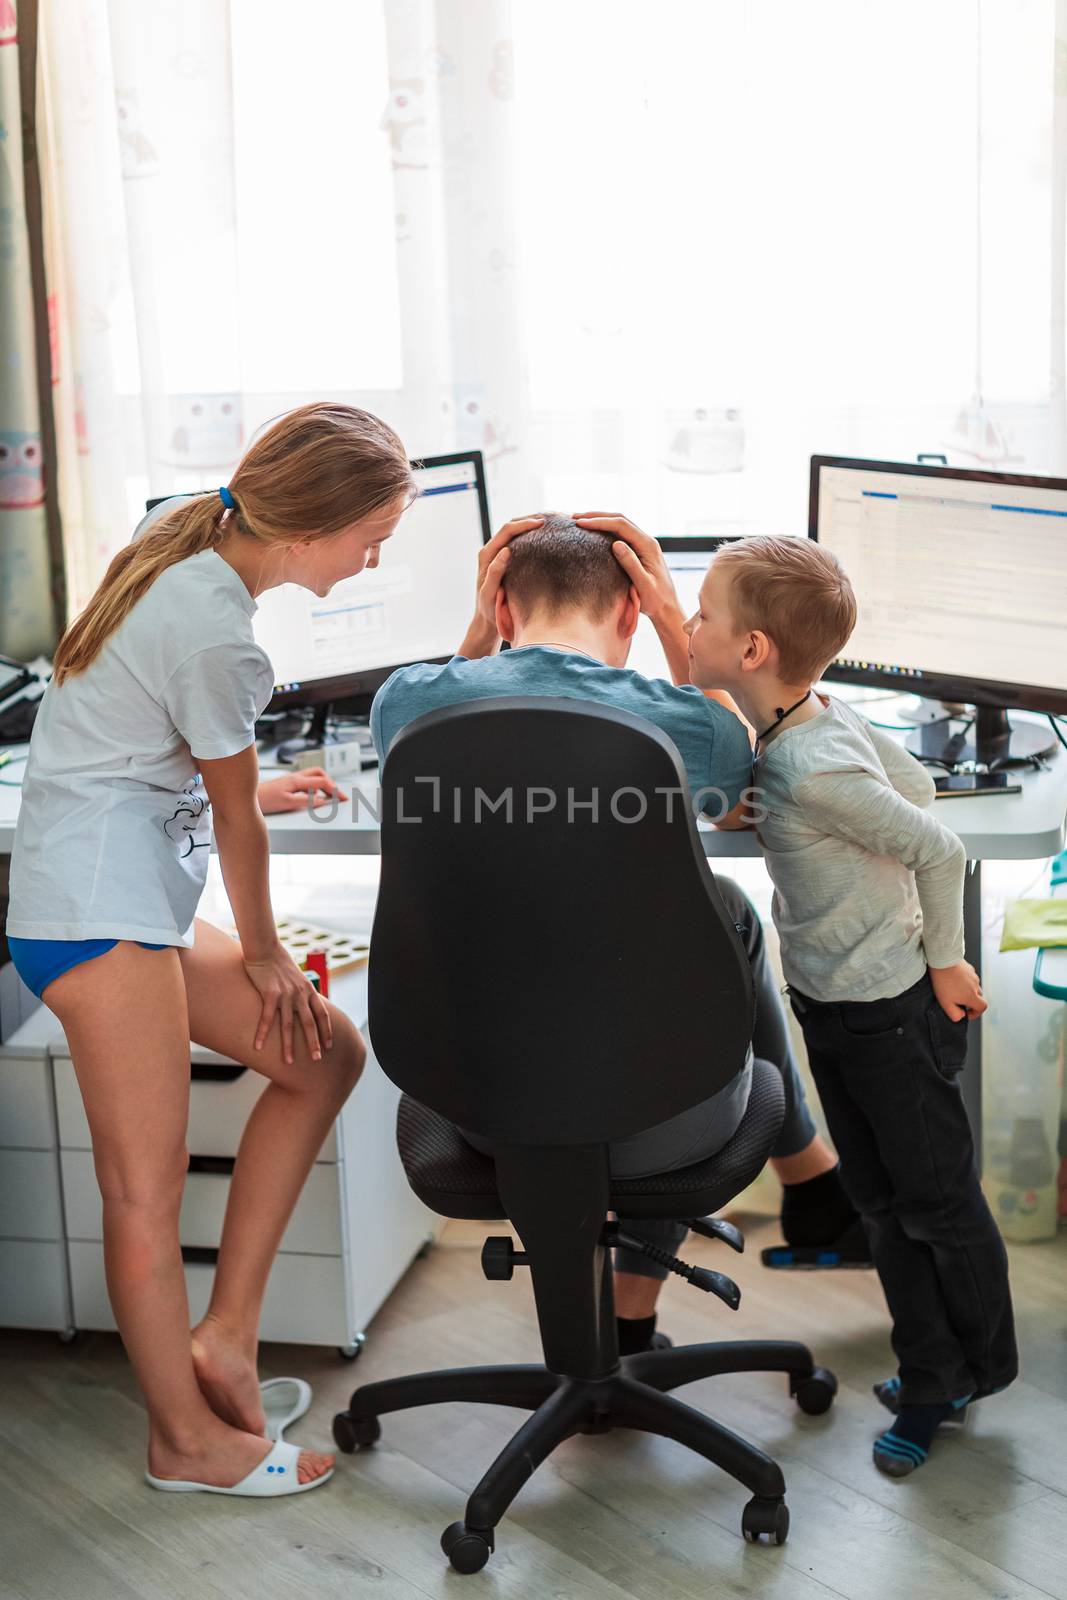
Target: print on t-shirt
<point>186,820</point>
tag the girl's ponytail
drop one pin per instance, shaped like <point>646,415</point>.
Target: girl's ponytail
<point>183,532</point>
<point>314,472</point>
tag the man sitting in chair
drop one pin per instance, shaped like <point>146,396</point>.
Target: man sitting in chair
<point>566,596</point>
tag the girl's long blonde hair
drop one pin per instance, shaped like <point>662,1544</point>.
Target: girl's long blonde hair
<point>317,470</point>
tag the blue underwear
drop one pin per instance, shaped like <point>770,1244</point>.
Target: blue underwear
<point>38,961</point>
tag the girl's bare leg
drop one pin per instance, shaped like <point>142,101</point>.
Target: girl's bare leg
<point>124,1015</point>
<point>284,1134</point>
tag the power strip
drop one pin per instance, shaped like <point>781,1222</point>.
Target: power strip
<point>338,760</point>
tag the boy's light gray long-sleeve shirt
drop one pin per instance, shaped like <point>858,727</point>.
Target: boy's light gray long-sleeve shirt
<point>868,885</point>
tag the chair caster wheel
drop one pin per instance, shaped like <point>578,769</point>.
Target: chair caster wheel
<point>466,1548</point>
<point>770,1517</point>
<point>815,1393</point>
<point>351,1433</point>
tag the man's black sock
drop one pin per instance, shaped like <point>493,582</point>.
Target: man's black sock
<point>635,1334</point>
<point>816,1212</point>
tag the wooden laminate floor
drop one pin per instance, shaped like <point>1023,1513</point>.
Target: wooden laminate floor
<point>607,1518</point>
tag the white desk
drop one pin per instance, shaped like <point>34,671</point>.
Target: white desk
<point>1015,827</point>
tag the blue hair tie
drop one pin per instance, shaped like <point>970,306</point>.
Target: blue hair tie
<point>228,500</point>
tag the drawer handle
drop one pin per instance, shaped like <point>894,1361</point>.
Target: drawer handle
<point>216,1072</point>
<point>219,1166</point>
<point>199,1255</point>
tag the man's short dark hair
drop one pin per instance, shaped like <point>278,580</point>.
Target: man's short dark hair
<point>561,567</point>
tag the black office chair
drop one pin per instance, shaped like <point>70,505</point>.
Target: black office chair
<point>552,968</point>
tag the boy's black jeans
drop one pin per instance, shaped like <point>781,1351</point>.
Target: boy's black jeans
<point>887,1073</point>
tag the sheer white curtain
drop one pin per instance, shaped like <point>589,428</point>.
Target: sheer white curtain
<point>786,229</point>
<point>645,257</point>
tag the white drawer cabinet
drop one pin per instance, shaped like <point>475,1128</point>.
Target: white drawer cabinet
<point>221,1094</point>
<point>305,1295</point>
<point>27,1114</point>
<point>34,1291</point>
<point>314,1228</point>
<point>352,1236</point>
<point>30,1206</point>
<point>34,1281</point>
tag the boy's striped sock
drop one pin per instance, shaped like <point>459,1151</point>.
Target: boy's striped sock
<point>906,1445</point>
<point>888,1392</point>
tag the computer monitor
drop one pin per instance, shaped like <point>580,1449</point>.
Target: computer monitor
<point>961,582</point>
<point>687,557</point>
<point>414,606</point>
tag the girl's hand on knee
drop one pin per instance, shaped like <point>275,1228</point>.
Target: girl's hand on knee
<point>287,995</point>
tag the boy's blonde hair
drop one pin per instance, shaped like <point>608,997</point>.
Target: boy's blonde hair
<point>315,471</point>
<point>797,593</point>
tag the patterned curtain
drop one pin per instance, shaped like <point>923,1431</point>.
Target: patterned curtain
<point>27,613</point>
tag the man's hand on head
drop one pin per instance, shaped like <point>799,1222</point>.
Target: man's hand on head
<point>643,561</point>
<point>482,637</point>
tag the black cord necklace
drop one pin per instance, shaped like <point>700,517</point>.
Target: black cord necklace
<point>781,715</point>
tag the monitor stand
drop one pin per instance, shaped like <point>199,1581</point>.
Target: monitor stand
<point>991,741</point>
<point>314,739</point>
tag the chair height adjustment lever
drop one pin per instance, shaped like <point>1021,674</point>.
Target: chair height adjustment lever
<point>716,1283</point>
<point>715,1228</point>
<point>500,1257</point>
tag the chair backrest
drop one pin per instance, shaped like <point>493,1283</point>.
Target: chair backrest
<point>551,962</point>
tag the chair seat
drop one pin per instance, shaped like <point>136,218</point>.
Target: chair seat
<point>457,1181</point>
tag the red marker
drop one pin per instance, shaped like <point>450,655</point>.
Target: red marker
<point>315,961</point>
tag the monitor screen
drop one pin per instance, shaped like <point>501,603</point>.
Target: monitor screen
<point>688,560</point>
<point>960,578</point>
<point>414,606</point>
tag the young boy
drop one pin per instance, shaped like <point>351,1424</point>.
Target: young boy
<point>869,907</point>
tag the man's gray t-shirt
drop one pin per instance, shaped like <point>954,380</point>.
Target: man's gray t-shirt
<point>711,741</point>
<point>718,762</point>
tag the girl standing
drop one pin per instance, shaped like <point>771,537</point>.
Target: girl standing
<point>146,728</point>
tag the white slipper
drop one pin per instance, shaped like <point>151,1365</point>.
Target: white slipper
<point>285,1400</point>
<point>275,1475</point>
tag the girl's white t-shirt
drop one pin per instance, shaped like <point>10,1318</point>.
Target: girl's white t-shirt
<point>114,832</point>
